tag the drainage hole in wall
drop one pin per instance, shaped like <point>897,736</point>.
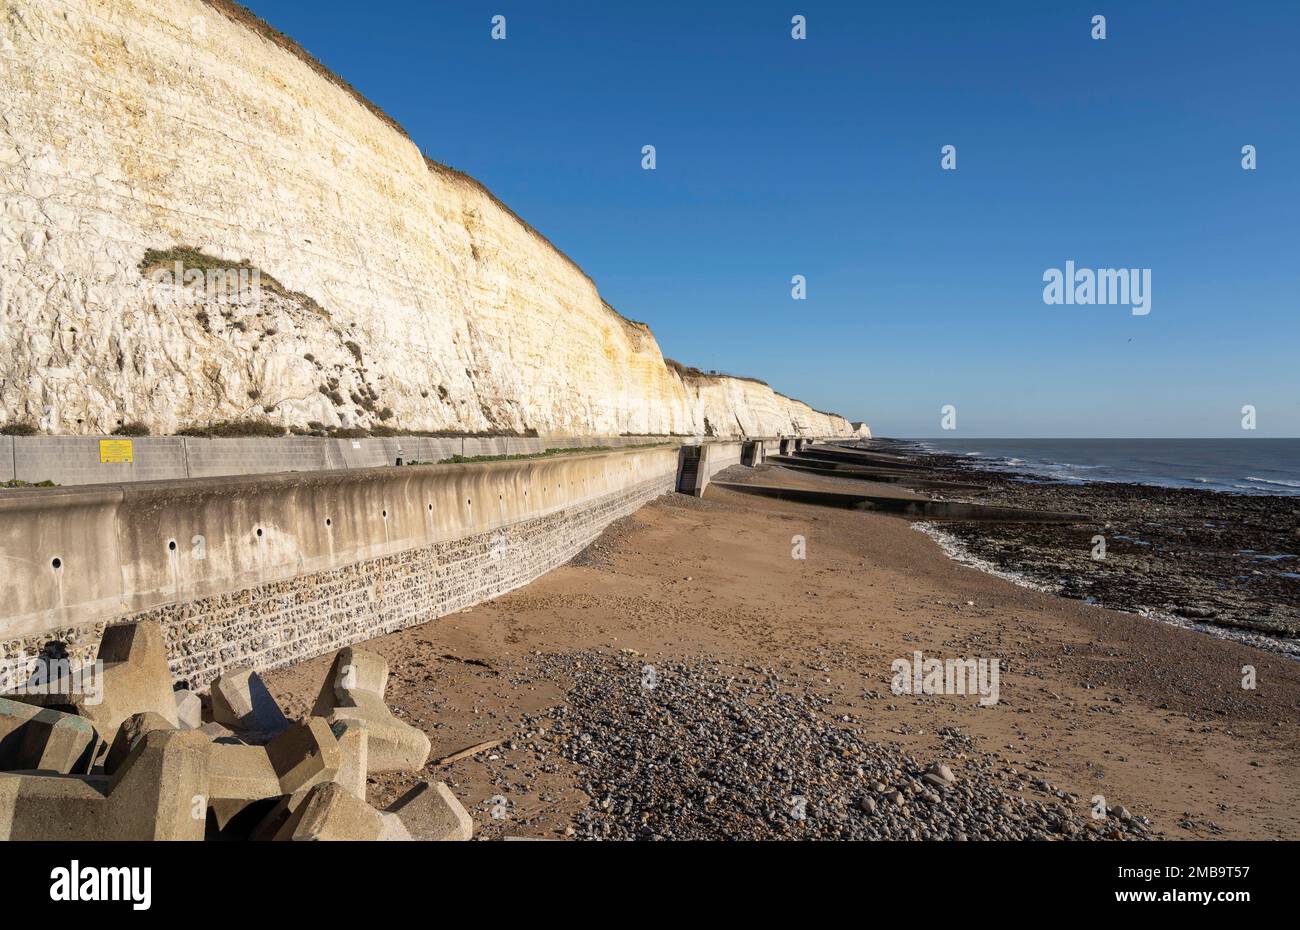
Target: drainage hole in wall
<point>259,531</point>
<point>329,522</point>
<point>171,544</point>
<point>57,563</point>
<point>385,514</point>
<point>431,508</point>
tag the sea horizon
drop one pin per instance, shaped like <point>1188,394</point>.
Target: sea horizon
<point>1258,466</point>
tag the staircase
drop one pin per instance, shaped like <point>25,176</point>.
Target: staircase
<point>686,478</point>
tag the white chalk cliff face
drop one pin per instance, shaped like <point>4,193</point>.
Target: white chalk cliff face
<point>402,293</point>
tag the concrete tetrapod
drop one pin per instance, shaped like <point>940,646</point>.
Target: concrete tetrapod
<point>429,811</point>
<point>241,701</point>
<point>45,739</point>
<point>135,678</point>
<point>331,812</point>
<point>354,690</point>
<point>300,757</point>
<point>159,793</point>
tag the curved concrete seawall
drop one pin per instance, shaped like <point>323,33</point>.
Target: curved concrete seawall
<point>268,570</point>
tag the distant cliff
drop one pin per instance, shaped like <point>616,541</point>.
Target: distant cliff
<point>141,137</point>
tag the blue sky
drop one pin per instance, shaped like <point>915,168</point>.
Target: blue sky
<point>822,158</point>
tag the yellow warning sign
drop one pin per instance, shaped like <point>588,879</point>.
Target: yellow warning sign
<point>115,451</point>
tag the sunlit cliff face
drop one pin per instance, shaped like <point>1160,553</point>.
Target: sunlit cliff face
<point>391,292</point>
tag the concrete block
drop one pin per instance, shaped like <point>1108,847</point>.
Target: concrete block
<point>65,460</point>
<point>433,449</point>
<point>132,730</point>
<point>394,829</point>
<point>355,671</point>
<point>240,700</point>
<point>240,776</point>
<point>39,806</point>
<point>135,679</point>
<point>298,758</point>
<point>429,811</point>
<point>156,458</point>
<point>486,445</point>
<point>354,690</point>
<point>159,793</point>
<point>7,459</point>
<point>331,812</point>
<point>189,709</point>
<point>41,738</point>
<point>305,754</point>
<point>161,790</point>
<point>371,453</point>
<point>354,748</point>
<point>220,734</point>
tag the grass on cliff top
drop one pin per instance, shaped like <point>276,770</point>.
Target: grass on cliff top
<point>696,373</point>
<point>470,459</point>
<point>688,371</point>
<point>447,171</point>
<point>246,17</point>
<point>242,14</point>
<point>823,412</point>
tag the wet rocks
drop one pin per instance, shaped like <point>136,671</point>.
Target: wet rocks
<point>1227,561</point>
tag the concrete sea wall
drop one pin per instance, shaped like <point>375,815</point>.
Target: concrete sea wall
<point>78,460</point>
<point>269,570</point>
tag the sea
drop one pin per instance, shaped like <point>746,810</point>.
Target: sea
<point>1236,466</point>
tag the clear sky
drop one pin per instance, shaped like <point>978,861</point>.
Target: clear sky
<point>821,157</point>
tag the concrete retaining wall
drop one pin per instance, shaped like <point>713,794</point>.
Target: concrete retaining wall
<point>75,460</point>
<point>6,458</point>
<point>269,570</point>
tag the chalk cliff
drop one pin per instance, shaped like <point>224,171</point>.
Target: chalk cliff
<point>391,290</point>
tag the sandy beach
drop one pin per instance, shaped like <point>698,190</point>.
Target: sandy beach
<point>706,594</point>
